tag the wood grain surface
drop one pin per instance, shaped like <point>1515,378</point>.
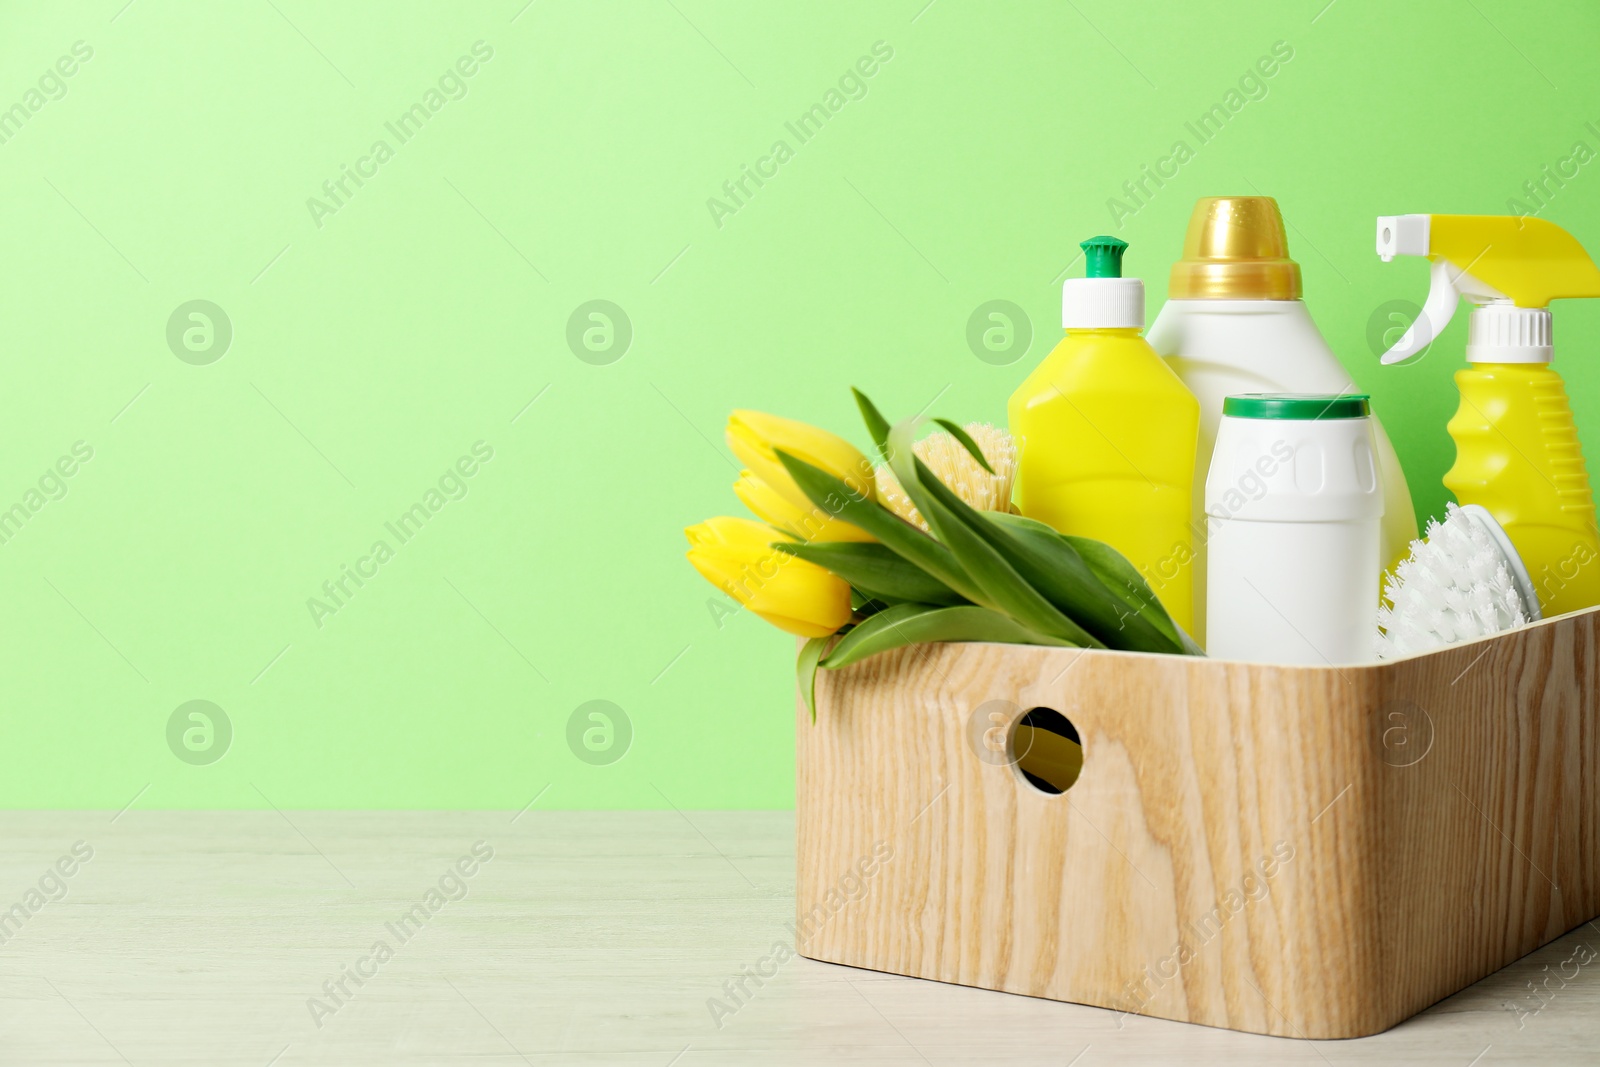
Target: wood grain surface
<point>1296,851</point>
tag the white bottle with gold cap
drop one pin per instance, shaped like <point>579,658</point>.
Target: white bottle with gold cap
<point>1234,323</point>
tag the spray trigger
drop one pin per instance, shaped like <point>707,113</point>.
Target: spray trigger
<point>1443,298</point>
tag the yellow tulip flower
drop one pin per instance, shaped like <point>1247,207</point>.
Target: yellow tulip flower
<point>736,556</point>
<point>756,437</point>
<point>811,524</point>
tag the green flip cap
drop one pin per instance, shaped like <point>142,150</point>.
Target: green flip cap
<point>1103,257</point>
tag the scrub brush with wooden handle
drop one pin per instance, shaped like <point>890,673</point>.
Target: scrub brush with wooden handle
<point>953,465</point>
<point>1464,581</point>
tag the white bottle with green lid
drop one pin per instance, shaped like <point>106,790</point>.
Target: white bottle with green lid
<point>1294,504</point>
<point>1234,322</point>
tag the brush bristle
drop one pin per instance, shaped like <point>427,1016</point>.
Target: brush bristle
<point>950,462</point>
<point>1455,586</point>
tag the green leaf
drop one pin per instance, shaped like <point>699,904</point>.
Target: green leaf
<point>890,530</point>
<point>877,425</point>
<point>1106,607</point>
<point>876,569</point>
<point>955,522</point>
<point>910,624</point>
<point>1127,584</point>
<point>805,670</point>
<point>967,442</point>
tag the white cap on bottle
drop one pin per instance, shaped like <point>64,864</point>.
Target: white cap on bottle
<point>1102,303</point>
<point>1502,333</point>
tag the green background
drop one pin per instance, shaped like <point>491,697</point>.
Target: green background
<point>370,352</point>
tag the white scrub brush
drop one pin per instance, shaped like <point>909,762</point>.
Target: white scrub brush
<point>1465,580</point>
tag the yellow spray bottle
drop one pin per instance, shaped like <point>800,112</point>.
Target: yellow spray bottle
<point>1517,448</point>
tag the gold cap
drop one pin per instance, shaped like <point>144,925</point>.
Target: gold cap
<point>1235,250</point>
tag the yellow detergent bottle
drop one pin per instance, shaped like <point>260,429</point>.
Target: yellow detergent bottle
<point>1517,450</point>
<point>1108,432</point>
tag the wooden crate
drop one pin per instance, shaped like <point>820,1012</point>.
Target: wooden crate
<point>1309,852</point>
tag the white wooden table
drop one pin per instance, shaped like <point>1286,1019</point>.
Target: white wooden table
<point>588,938</point>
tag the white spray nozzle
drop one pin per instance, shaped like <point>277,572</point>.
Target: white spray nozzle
<point>1407,235</point>
<point>1508,266</point>
<point>1402,235</point>
<point>1411,235</point>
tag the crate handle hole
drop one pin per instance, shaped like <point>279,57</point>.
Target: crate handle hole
<point>1046,750</point>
